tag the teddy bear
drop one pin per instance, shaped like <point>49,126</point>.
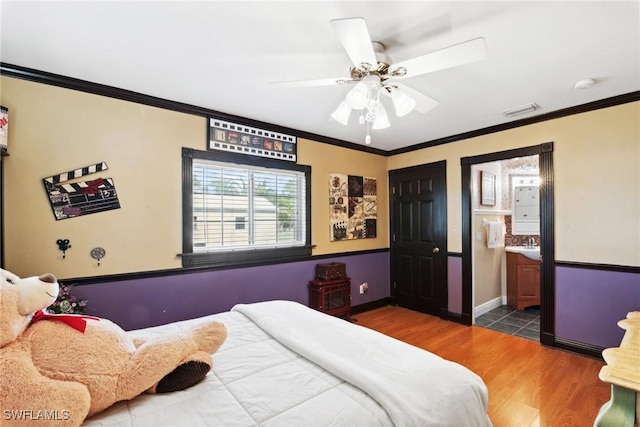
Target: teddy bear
<point>61,369</point>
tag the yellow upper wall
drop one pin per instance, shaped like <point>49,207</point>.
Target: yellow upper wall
<point>596,164</point>
<point>326,159</point>
<point>54,130</point>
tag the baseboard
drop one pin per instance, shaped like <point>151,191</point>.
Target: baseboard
<point>489,305</point>
<point>456,317</point>
<point>579,347</point>
<point>361,308</point>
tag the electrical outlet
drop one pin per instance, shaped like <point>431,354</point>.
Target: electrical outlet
<point>364,287</point>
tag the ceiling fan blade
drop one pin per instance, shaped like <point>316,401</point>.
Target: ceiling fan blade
<point>459,54</point>
<point>318,82</point>
<point>423,102</point>
<point>354,35</point>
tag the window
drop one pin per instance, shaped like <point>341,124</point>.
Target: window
<point>239,209</point>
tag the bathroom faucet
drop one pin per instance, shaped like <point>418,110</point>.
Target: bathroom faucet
<point>532,243</point>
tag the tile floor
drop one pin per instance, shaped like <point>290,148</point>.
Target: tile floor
<point>524,323</point>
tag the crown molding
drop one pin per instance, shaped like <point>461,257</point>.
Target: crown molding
<point>44,77</point>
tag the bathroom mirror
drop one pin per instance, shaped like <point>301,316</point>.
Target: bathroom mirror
<point>525,198</point>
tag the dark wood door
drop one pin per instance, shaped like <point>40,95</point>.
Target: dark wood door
<point>419,238</point>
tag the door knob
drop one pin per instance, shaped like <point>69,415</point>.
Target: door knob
<point>436,250</point>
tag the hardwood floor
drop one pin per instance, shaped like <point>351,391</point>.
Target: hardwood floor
<point>529,385</point>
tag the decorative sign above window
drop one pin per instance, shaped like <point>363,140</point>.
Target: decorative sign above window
<point>243,139</point>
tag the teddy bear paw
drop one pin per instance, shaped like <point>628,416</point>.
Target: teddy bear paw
<point>210,336</point>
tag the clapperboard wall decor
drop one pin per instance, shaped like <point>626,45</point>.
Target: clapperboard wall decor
<point>72,199</point>
<point>235,138</point>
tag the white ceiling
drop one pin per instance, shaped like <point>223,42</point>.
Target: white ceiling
<point>223,55</point>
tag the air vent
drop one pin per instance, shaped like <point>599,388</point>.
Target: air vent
<point>523,109</point>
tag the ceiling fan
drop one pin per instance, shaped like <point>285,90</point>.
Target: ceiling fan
<point>374,75</point>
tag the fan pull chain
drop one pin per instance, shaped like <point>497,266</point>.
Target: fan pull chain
<point>367,139</point>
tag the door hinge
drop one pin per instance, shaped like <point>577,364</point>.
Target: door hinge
<point>393,190</point>
<point>394,237</point>
<point>394,285</point>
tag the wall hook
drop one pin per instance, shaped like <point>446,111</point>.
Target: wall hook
<point>98,253</point>
<point>63,245</point>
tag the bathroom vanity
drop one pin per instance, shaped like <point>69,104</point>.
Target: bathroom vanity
<point>523,276</point>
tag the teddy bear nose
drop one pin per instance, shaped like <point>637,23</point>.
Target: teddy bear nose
<point>48,278</point>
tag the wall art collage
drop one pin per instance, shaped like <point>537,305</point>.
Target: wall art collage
<point>353,207</point>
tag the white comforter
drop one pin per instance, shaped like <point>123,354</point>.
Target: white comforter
<point>284,364</point>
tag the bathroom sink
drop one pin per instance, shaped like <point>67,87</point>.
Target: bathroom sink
<point>529,252</point>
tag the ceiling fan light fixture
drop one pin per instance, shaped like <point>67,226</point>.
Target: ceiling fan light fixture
<point>357,97</point>
<point>381,120</point>
<point>373,73</point>
<point>372,81</point>
<point>402,102</point>
<point>342,113</point>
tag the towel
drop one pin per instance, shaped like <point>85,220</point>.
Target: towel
<point>495,237</point>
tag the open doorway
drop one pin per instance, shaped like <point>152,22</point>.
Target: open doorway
<point>546,269</point>
<point>506,246</point>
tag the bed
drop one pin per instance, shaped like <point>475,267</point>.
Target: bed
<point>284,364</point>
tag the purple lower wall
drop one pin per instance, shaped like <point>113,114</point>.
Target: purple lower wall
<point>141,303</point>
<point>454,284</point>
<point>589,304</point>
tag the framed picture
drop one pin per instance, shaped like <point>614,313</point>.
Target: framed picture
<point>353,207</point>
<point>4,128</point>
<point>487,188</point>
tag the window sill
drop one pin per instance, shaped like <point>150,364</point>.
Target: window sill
<point>244,258</point>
